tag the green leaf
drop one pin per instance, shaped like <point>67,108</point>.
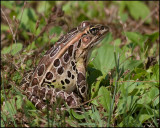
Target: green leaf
<point>82,17</point>
<point>31,14</point>
<point>139,72</point>
<point>56,30</point>
<point>29,62</point>
<point>131,64</point>
<point>129,87</point>
<point>16,76</point>
<point>25,17</point>
<point>138,10</point>
<point>31,26</point>
<point>95,86</point>
<point>2,97</point>
<point>144,117</point>
<point>19,102</point>
<point>154,95</point>
<point>4,27</point>
<point>136,38</point>
<point>104,56</point>
<point>31,46</point>
<point>28,20</point>
<point>3,120</point>
<point>6,50</point>
<point>128,121</point>
<point>71,122</point>
<point>8,4</point>
<point>43,6</point>
<point>13,49</point>
<point>151,39</point>
<point>117,42</point>
<point>9,107</point>
<point>95,115</point>
<point>144,100</point>
<point>67,8</point>
<point>105,98</point>
<point>124,17</point>
<point>122,14</point>
<point>155,70</point>
<point>83,5</point>
<point>77,116</point>
<point>93,74</point>
<point>126,104</point>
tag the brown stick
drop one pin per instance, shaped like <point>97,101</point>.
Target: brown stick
<point>142,21</point>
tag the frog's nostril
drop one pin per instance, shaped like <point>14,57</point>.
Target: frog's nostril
<point>104,28</point>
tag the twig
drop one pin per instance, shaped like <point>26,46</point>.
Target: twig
<point>20,18</point>
<point>7,21</point>
<point>42,31</point>
<point>136,81</point>
<point>51,17</point>
<point>14,33</point>
<point>142,21</point>
<point>85,102</point>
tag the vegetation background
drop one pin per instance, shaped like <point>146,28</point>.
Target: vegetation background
<point>123,74</point>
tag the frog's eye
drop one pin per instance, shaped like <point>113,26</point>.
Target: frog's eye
<point>93,30</point>
<point>84,24</point>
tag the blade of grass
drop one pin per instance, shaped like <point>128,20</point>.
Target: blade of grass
<point>115,89</point>
<point>5,97</point>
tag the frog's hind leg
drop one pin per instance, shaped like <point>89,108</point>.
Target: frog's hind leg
<point>40,95</point>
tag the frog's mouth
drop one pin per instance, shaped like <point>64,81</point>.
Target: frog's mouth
<point>100,37</point>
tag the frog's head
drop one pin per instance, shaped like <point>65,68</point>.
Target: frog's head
<point>92,34</point>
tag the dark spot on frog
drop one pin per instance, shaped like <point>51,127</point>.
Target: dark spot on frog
<point>35,90</point>
<point>69,74</point>
<point>79,44</point>
<point>60,70</point>
<point>62,82</point>
<point>51,85</point>
<point>74,68</point>
<point>80,77</point>
<point>49,75</point>
<point>41,70</point>
<point>56,62</point>
<point>34,81</point>
<point>66,57</point>
<point>70,101</point>
<point>72,76</point>
<point>72,63</point>
<point>67,81</point>
<point>49,94</point>
<point>83,89</point>
<point>42,93</point>
<point>54,81</point>
<point>70,50</point>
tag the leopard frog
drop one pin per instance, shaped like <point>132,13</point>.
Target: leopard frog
<point>62,70</point>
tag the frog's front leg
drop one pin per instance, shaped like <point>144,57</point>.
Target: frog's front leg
<point>82,86</point>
